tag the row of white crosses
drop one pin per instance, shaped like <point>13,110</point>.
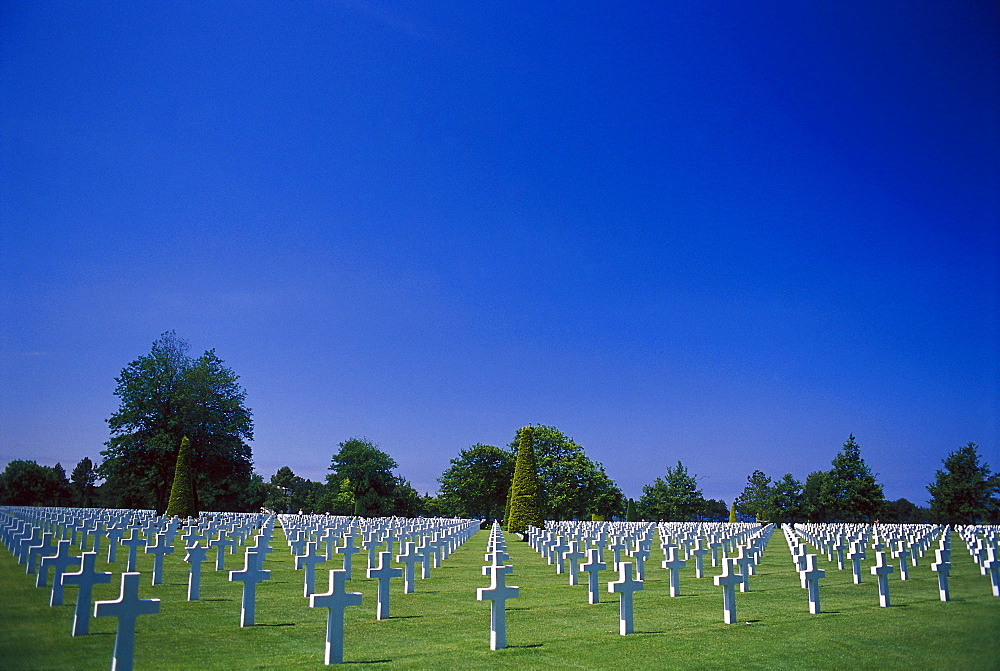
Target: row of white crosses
<point>905,542</point>
<point>564,543</point>
<point>423,541</point>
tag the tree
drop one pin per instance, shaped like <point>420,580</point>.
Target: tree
<point>525,508</point>
<point>571,485</point>
<point>631,511</point>
<point>25,483</point>
<point>755,500</point>
<point>818,504</point>
<point>477,482</point>
<point>673,498</point>
<point>181,501</point>
<point>786,500</point>
<point>165,396</point>
<point>857,496</point>
<point>902,511</point>
<point>368,471</point>
<point>965,492</point>
<point>83,482</point>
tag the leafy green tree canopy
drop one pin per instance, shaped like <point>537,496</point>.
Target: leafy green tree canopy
<point>181,502</point>
<point>571,485</point>
<point>165,396</point>
<point>477,482</point>
<point>675,497</point>
<point>83,483</point>
<point>368,470</point>
<point>755,500</point>
<point>26,483</point>
<point>964,492</point>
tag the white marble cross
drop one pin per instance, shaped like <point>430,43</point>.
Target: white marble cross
<point>943,568</point>
<point>127,608</point>
<point>249,576</point>
<point>882,570</point>
<point>673,564</point>
<point>640,554</point>
<point>856,554</point>
<point>196,554</point>
<point>162,548</point>
<point>497,593</point>
<point>728,580</point>
<point>349,549</point>
<point>59,562</point>
<point>220,544</point>
<point>133,543</point>
<point>308,561</point>
<point>383,573</point>
<point>337,598</point>
<point>84,579</point>
<point>625,586</point>
<point>573,557</point>
<point>699,553</point>
<point>810,580</point>
<point>409,558</point>
<point>903,553</point>
<point>593,567</point>
<point>992,566</point>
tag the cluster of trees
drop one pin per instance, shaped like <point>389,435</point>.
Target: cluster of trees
<point>169,399</point>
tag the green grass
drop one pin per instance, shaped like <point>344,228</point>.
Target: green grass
<point>550,625</point>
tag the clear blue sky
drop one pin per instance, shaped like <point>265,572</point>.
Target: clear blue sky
<point>726,235</point>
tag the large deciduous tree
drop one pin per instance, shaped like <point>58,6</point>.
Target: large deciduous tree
<point>367,471</point>
<point>165,396</point>
<point>571,485</point>
<point>965,492</point>
<point>477,482</point>
<point>26,483</point>
<point>675,497</point>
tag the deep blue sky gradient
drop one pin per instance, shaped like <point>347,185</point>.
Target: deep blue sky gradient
<point>729,235</point>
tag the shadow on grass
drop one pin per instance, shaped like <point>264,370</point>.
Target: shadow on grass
<point>529,645</point>
<point>276,624</point>
<point>206,599</point>
<point>404,617</point>
<point>370,661</point>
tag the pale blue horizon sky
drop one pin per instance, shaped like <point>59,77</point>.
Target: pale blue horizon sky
<point>727,235</point>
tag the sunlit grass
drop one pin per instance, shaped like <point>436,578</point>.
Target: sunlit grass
<point>550,625</point>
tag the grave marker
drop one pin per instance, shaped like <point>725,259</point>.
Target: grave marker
<point>337,598</point>
<point>127,608</point>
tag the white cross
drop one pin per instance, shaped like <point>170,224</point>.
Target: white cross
<point>699,553</point>
<point>161,548</point>
<point>625,586</point>
<point>196,554</point>
<point>59,562</point>
<point>409,558</point>
<point>497,593</point>
<point>903,554</point>
<point>337,598</point>
<point>127,608</point>
<point>673,564</point>
<point>573,557</point>
<point>309,561</point>
<point>943,568</point>
<point>593,567</point>
<point>249,576</point>
<point>348,550</point>
<point>728,581</point>
<point>383,573</point>
<point>85,579</point>
<point>882,570</point>
<point>856,554</point>
<point>810,580</point>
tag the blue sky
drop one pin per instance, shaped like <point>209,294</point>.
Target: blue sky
<point>729,235</point>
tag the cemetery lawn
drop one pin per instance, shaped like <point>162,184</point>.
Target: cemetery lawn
<point>551,625</point>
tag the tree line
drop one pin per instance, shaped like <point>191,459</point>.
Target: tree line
<point>168,398</point>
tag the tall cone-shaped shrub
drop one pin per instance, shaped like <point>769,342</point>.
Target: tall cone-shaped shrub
<point>525,504</point>
<point>732,513</point>
<point>181,501</point>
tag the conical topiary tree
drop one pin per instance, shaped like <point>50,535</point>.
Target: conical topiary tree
<point>525,504</point>
<point>732,513</point>
<point>181,501</point>
<point>631,511</point>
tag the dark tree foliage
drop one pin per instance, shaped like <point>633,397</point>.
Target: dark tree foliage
<point>786,500</point>
<point>25,483</point>
<point>165,396</point>
<point>83,483</point>
<point>964,492</point>
<point>675,497</point>
<point>755,500</point>
<point>525,509</point>
<point>571,485</point>
<point>857,496</point>
<point>902,511</point>
<point>366,472</point>
<point>817,497</point>
<point>477,482</point>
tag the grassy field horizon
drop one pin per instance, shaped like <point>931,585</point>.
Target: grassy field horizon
<point>551,625</point>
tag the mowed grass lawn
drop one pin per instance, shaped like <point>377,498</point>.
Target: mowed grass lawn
<point>551,625</point>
